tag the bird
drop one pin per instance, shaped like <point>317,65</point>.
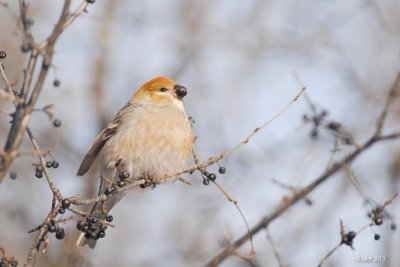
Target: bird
<point>150,138</point>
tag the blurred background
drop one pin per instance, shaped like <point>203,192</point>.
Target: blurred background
<point>242,62</point>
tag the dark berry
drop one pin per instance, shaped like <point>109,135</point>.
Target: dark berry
<point>121,183</point>
<point>377,236</point>
<point>101,234</point>
<point>89,219</point>
<point>66,203</point>
<point>92,227</point>
<point>92,219</point>
<point>378,221</point>
<point>49,164</point>
<point>39,174</point>
<point>109,218</point>
<point>206,182</point>
<point>351,235</point>
<point>124,175</point>
<point>60,233</point>
<point>211,176</point>
<point>392,226</point>
<point>52,228</point>
<point>3,54</point>
<point>81,226</point>
<point>90,235</point>
<point>56,82</point>
<point>335,126</point>
<point>56,123</point>
<point>14,262</point>
<point>91,1</point>
<point>222,170</point>
<point>61,210</point>
<point>103,227</point>
<point>109,190</point>
<point>13,175</point>
<point>55,164</point>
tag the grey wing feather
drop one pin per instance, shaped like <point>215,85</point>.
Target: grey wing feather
<point>96,147</point>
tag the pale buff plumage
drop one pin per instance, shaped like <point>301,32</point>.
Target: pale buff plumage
<point>151,136</point>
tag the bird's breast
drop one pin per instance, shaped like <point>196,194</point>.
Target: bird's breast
<point>153,143</point>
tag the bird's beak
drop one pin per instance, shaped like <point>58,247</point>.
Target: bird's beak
<point>180,91</point>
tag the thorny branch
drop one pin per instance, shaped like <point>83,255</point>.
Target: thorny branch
<point>301,194</point>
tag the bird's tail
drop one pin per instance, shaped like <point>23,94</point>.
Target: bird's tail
<point>94,227</point>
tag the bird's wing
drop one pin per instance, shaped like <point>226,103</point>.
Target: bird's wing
<point>96,147</point>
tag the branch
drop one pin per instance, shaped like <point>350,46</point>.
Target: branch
<point>24,110</point>
<point>218,157</point>
<point>301,194</point>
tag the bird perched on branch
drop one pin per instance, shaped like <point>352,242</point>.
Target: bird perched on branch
<point>149,138</point>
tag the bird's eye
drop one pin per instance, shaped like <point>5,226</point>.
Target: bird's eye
<point>163,89</point>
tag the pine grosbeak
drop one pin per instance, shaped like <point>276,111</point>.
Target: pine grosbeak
<point>150,137</point>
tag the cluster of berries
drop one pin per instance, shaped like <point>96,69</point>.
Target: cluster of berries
<point>211,176</point>
<point>93,227</point>
<point>55,228</point>
<point>49,164</point>
<point>123,175</point>
<point>5,262</point>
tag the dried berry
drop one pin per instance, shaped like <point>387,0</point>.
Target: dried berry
<point>101,234</point>
<point>377,236</point>
<point>90,235</point>
<point>55,164</point>
<point>66,203</point>
<point>49,164</point>
<point>222,170</point>
<point>92,219</point>
<point>109,218</point>
<point>39,174</point>
<point>121,183</point>
<point>206,181</point>
<point>61,210</point>
<point>56,82</point>
<point>60,233</point>
<point>56,123</point>
<point>3,54</point>
<point>109,190</point>
<point>13,175</point>
<point>81,226</point>
<point>92,227</point>
<point>211,176</point>
<point>378,221</point>
<point>124,175</point>
<point>52,228</point>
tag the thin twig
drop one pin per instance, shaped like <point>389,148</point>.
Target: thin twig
<point>289,202</point>
<point>218,157</point>
<point>275,250</point>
